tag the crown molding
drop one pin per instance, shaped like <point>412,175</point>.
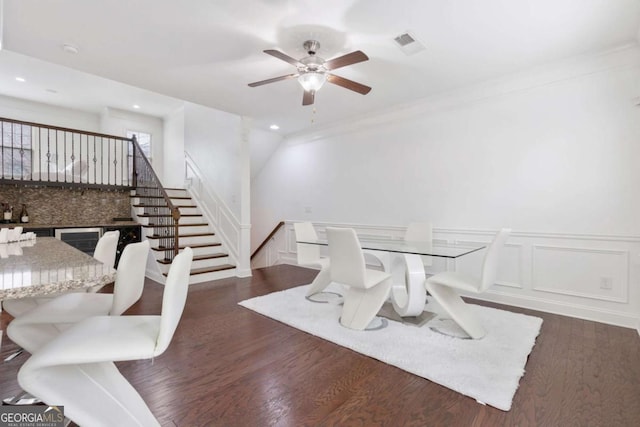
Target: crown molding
<point>626,56</point>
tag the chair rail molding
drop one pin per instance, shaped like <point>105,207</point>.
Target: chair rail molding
<point>588,276</point>
<point>228,227</point>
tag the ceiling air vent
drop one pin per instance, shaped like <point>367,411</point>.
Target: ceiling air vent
<point>408,43</point>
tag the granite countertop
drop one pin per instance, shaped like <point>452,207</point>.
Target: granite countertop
<point>47,265</point>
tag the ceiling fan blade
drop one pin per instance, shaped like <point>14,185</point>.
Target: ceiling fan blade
<point>284,57</point>
<point>273,80</point>
<point>348,59</point>
<point>348,84</point>
<point>308,97</point>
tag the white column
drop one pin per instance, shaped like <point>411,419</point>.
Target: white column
<point>244,254</point>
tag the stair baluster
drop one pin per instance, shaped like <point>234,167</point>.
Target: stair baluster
<point>157,202</point>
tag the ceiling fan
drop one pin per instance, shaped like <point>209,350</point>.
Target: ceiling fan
<point>313,71</point>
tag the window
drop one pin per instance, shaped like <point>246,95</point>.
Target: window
<point>16,153</point>
<point>144,140</point>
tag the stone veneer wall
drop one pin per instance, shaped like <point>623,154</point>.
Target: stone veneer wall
<point>67,206</point>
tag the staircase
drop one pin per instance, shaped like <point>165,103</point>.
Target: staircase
<point>210,260</point>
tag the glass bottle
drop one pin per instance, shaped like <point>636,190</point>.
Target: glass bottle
<point>24,215</point>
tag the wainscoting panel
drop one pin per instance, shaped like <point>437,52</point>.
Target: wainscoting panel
<point>594,277</point>
<point>600,274</point>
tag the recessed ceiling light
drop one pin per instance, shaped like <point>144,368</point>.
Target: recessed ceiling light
<point>136,106</point>
<point>69,48</point>
<point>21,79</point>
<point>274,127</point>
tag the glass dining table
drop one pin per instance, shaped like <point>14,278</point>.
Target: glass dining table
<point>403,260</point>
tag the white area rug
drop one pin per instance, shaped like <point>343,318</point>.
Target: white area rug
<point>487,370</point>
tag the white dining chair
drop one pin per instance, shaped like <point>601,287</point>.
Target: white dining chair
<point>309,256</point>
<point>365,289</point>
<point>38,326</point>
<point>442,288</point>
<point>77,369</point>
<point>105,251</point>
<point>43,323</point>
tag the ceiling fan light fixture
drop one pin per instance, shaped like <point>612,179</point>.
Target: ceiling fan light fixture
<point>312,81</point>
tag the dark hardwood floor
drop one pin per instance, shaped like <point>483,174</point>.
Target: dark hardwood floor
<point>228,366</point>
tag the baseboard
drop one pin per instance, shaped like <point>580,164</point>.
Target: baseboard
<point>564,309</point>
<point>245,272</point>
<point>155,276</point>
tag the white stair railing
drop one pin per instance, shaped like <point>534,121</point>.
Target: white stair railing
<point>214,209</point>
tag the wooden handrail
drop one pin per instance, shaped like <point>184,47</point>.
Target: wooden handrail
<point>175,212</point>
<point>83,132</point>
<point>273,232</point>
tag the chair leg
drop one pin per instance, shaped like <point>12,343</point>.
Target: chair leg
<point>322,280</point>
<point>459,311</point>
<point>13,355</point>
<point>362,305</point>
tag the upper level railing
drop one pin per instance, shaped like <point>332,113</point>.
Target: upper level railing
<point>50,155</point>
<point>38,154</point>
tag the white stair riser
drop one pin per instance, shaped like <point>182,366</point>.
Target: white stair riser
<point>154,243</point>
<point>149,231</point>
<point>188,210</point>
<point>177,202</point>
<point>183,220</point>
<point>203,263</point>
<point>210,250</point>
<point>186,241</point>
<point>191,220</point>
<point>207,250</point>
<point>207,277</point>
<point>189,241</point>
<point>177,192</point>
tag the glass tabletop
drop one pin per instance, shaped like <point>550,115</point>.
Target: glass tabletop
<point>436,249</point>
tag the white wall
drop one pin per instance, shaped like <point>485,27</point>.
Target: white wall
<point>263,144</point>
<point>36,112</point>
<point>553,153</point>
<point>114,121</point>
<point>174,173</point>
<point>212,139</point>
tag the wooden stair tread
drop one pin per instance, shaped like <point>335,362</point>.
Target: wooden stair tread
<point>209,269</point>
<point>159,197</point>
<point>199,245</point>
<point>166,215</point>
<point>163,206</point>
<point>166,188</point>
<point>201,224</point>
<point>180,236</point>
<point>198,257</point>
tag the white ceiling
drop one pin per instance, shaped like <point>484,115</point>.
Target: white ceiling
<point>206,51</point>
